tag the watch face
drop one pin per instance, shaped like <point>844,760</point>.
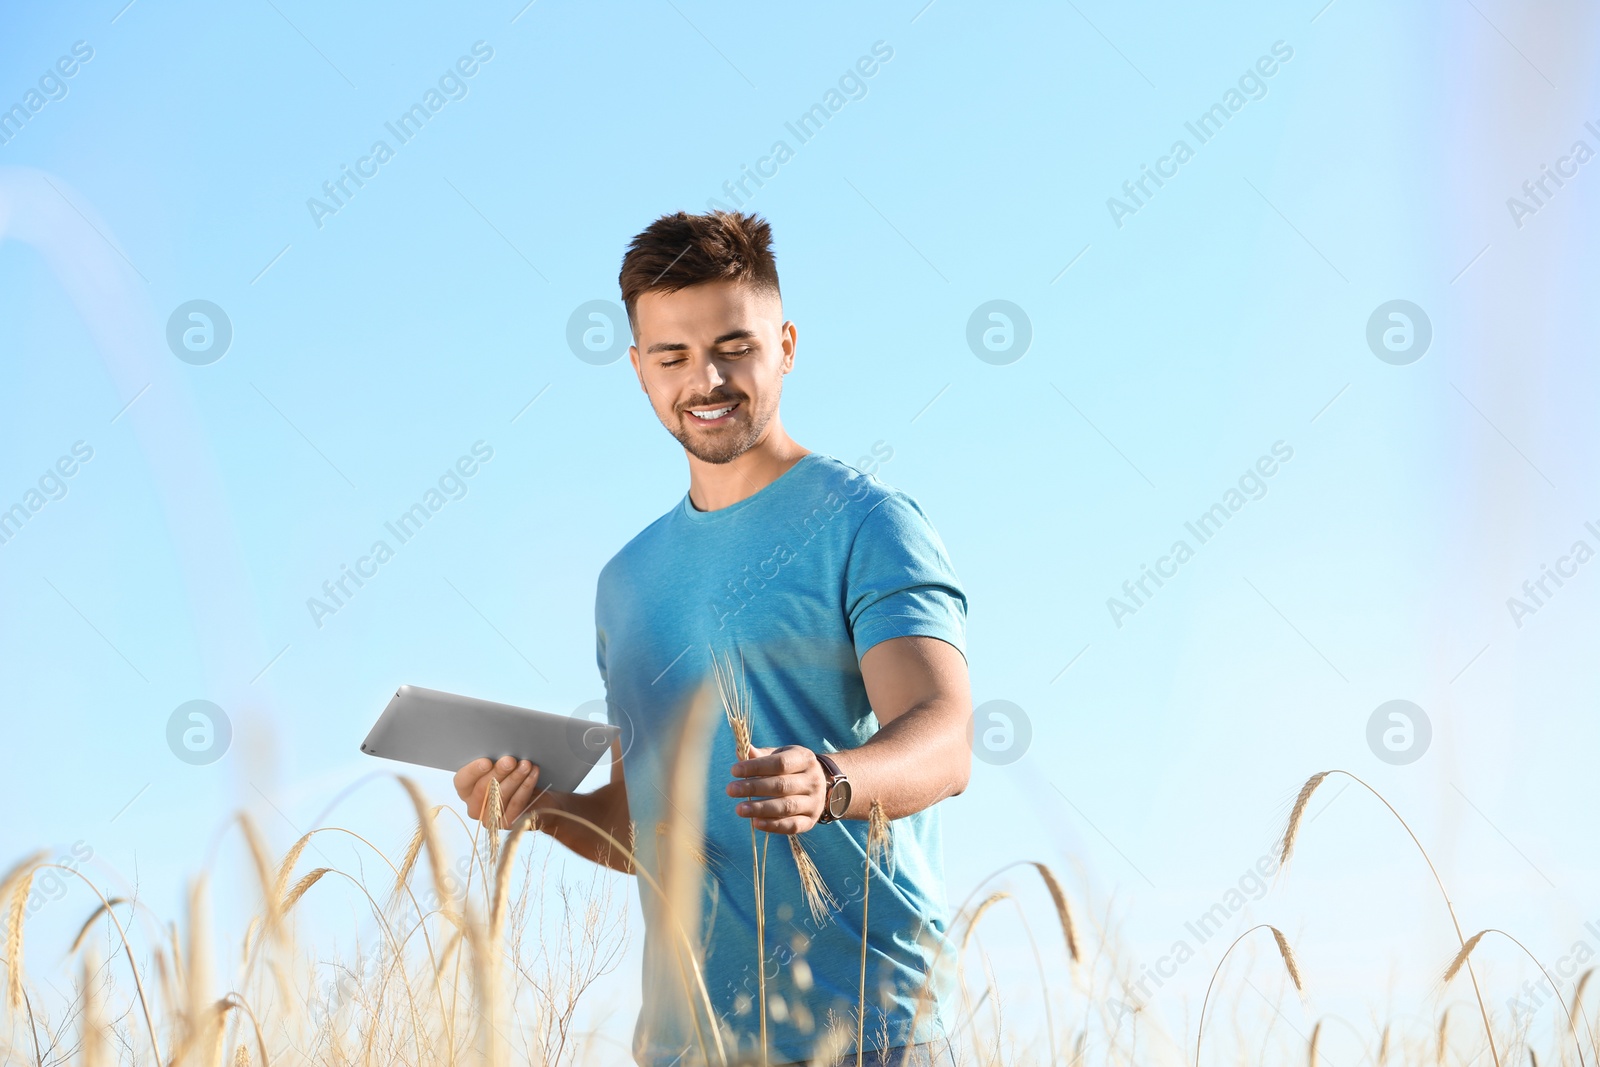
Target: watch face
<point>839,799</point>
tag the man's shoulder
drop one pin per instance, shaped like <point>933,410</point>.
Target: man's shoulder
<point>856,483</point>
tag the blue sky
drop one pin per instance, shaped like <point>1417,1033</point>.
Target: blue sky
<point>1172,347</point>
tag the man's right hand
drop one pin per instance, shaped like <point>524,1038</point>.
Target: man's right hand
<point>518,783</point>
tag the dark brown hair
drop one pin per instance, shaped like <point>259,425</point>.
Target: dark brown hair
<point>680,250</point>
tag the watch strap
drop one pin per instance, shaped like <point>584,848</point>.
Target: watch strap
<point>834,775</point>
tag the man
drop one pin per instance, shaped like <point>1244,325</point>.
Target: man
<point>834,601</point>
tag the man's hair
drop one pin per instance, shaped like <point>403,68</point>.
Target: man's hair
<point>680,250</point>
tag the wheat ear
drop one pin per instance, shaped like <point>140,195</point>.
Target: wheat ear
<point>1460,958</point>
<point>1292,830</point>
<point>302,887</point>
<point>16,914</point>
<point>1058,897</point>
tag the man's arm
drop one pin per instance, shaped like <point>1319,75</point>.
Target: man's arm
<point>922,753</point>
<point>606,807</point>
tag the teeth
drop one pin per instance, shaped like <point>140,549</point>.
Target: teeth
<point>714,413</point>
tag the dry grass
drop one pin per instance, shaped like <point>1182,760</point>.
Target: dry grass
<point>498,967</point>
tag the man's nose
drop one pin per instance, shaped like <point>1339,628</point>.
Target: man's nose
<point>709,376</point>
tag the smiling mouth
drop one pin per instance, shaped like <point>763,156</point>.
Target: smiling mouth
<point>711,416</point>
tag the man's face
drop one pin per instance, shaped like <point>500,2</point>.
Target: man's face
<point>712,358</point>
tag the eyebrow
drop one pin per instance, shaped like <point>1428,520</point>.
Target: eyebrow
<point>679,346</point>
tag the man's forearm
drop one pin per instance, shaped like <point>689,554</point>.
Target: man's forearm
<point>913,762</point>
<point>606,808</point>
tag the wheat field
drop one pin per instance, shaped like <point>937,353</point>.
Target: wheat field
<point>483,958</point>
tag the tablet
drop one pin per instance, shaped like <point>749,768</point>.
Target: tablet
<point>443,730</point>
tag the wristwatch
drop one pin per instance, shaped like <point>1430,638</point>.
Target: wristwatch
<point>836,798</point>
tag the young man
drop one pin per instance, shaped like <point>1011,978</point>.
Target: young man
<point>834,600</point>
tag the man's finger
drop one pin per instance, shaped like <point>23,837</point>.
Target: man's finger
<point>776,808</point>
<point>795,825</point>
<point>782,785</point>
<point>523,795</point>
<point>467,777</point>
<point>785,761</point>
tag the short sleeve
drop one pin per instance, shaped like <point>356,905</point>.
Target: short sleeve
<point>899,581</point>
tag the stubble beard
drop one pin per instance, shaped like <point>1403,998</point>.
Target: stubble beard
<point>728,443</point>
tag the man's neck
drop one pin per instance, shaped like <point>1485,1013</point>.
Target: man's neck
<point>713,486</point>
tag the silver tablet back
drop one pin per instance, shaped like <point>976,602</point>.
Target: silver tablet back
<point>444,730</point>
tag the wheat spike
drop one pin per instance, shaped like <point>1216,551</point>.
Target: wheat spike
<point>1444,1030</point>
<point>408,863</point>
<point>493,815</point>
<point>16,913</point>
<point>1316,1039</point>
<point>972,924</point>
<point>1288,958</point>
<point>1058,897</point>
<point>441,882</point>
<point>1577,1000</point>
<point>302,886</point>
<point>880,838</point>
<point>1460,958</point>
<point>1286,846</point>
<point>736,706</point>
<point>241,1056</point>
<point>818,900</point>
<point>99,910</point>
<point>286,866</point>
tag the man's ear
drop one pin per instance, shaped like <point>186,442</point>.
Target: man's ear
<point>633,357</point>
<point>790,342</point>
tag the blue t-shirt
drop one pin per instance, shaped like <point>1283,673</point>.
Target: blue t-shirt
<point>799,580</point>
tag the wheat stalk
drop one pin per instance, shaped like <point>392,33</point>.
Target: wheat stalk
<point>878,847</point>
<point>1283,950</point>
<point>1287,846</point>
<point>431,839</point>
<point>737,711</point>
<point>92,1032</point>
<point>83,931</point>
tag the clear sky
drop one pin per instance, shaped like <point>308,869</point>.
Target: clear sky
<point>1184,337</point>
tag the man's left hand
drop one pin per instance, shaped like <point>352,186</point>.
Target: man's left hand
<point>791,780</point>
